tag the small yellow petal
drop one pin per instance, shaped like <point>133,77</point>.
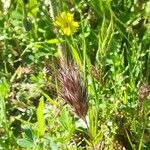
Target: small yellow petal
<point>66,23</point>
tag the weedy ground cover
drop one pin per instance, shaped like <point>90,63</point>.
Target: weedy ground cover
<point>74,75</point>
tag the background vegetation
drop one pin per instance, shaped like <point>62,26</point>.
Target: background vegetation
<point>111,48</point>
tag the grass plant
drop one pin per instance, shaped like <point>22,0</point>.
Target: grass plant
<point>74,75</point>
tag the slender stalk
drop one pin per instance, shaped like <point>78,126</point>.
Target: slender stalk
<point>90,135</point>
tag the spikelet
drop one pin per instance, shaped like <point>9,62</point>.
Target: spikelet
<point>144,91</point>
<point>73,90</point>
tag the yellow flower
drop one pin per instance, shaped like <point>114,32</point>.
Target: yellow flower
<point>66,23</point>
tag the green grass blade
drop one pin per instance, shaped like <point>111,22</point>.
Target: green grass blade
<point>40,117</point>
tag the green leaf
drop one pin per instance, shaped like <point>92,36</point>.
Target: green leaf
<point>53,145</point>
<point>66,120</point>
<point>26,143</point>
<point>54,41</point>
<point>28,133</point>
<point>4,88</point>
<point>40,117</point>
<point>3,145</point>
<point>27,24</point>
<point>33,7</point>
<point>76,56</point>
<point>52,102</point>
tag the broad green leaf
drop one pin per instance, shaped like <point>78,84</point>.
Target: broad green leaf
<point>28,133</point>
<point>40,117</point>
<point>26,143</point>
<point>53,145</point>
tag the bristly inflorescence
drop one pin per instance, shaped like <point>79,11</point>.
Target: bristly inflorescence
<point>73,89</point>
<point>144,91</point>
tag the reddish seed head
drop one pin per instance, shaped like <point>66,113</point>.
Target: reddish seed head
<point>73,90</point>
<point>144,91</point>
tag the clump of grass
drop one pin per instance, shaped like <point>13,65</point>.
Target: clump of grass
<point>74,92</point>
<point>114,41</point>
